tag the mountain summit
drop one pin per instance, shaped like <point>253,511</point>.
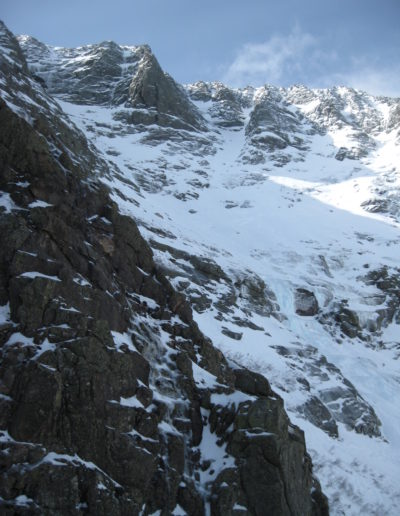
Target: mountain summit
<point>109,74</point>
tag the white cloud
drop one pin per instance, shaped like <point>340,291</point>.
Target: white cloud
<point>300,57</point>
<point>269,62</point>
<point>372,79</point>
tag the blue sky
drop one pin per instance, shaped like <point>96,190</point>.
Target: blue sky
<point>314,42</point>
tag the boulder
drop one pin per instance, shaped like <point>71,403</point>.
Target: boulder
<point>306,303</point>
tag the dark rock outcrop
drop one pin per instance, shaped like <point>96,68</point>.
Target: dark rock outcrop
<point>271,128</point>
<point>348,320</point>
<point>387,280</point>
<point>316,412</point>
<point>227,105</point>
<point>165,102</point>
<point>305,302</point>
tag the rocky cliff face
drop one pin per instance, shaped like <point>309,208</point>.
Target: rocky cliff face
<point>112,400</point>
<point>93,74</point>
<point>109,74</point>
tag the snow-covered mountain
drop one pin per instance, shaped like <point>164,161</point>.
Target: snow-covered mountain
<point>112,401</point>
<point>276,212</point>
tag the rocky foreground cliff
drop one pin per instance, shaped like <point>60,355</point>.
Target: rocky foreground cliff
<point>112,400</point>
